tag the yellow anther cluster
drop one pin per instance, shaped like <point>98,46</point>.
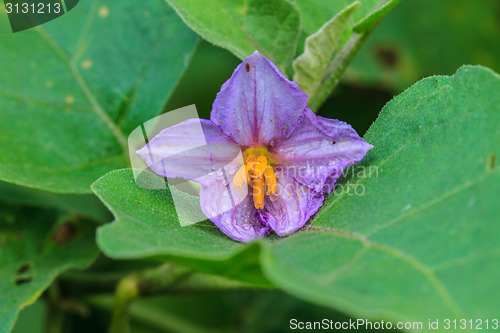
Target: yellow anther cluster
<point>257,173</point>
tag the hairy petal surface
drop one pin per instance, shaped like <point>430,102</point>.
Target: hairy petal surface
<point>194,149</point>
<point>258,103</point>
<point>232,211</point>
<point>319,150</point>
<point>291,206</point>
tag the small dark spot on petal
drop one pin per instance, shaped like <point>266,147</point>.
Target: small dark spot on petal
<point>24,268</point>
<point>64,233</point>
<point>388,56</point>
<point>491,163</point>
<point>271,143</point>
<point>334,142</point>
<point>22,280</point>
<point>247,67</point>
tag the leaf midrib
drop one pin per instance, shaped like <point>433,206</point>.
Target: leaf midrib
<point>96,107</point>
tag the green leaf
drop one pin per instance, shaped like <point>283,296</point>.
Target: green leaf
<point>423,37</point>
<point>147,226</point>
<point>408,228</point>
<point>424,226</point>
<point>344,42</point>
<point>75,87</point>
<point>316,12</point>
<point>309,68</point>
<point>271,27</point>
<point>370,21</point>
<point>34,250</point>
<point>84,204</point>
<point>31,319</point>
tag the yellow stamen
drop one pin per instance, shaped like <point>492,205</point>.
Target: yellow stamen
<point>248,166</point>
<point>240,177</point>
<point>270,181</point>
<point>258,192</point>
<point>258,181</point>
<point>259,166</point>
<point>258,173</point>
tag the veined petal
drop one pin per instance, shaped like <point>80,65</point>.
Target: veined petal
<point>291,206</point>
<point>258,104</point>
<point>319,150</point>
<point>232,211</point>
<point>194,149</point>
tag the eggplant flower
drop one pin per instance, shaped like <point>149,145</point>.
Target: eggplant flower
<point>264,159</point>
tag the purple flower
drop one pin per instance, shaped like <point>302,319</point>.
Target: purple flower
<point>264,159</point>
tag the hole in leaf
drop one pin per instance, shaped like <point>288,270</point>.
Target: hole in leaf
<point>388,56</point>
<point>22,280</point>
<point>64,233</point>
<point>23,268</point>
<point>491,163</point>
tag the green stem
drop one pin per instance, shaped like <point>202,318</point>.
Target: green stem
<point>55,315</point>
<point>167,278</point>
<point>126,291</point>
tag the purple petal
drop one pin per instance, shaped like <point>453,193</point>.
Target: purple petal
<point>193,149</point>
<point>232,211</point>
<point>258,104</point>
<point>319,150</point>
<point>291,206</point>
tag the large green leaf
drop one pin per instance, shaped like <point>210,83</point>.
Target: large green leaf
<point>410,233</point>
<point>35,246</point>
<point>423,37</point>
<point>72,90</point>
<point>425,225</point>
<point>271,27</point>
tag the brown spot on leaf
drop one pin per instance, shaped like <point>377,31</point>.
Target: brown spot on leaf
<point>86,64</point>
<point>64,233</point>
<point>103,11</point>
<point>247,67</point>
<point>23,268</point>
<point>69,99</point>
<point>22,280</point>
<point>388,56</point>
<point>491,163</point>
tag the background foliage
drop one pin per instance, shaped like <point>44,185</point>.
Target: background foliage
<point>425,228</point>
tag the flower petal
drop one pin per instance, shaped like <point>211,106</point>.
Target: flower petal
<point>319,150</point>
<point>232,211</point>
<point>193,149</point>
<point>291,206</point>
<point>258,104</point>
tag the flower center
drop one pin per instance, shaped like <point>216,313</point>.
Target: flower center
<point>257,173</point>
